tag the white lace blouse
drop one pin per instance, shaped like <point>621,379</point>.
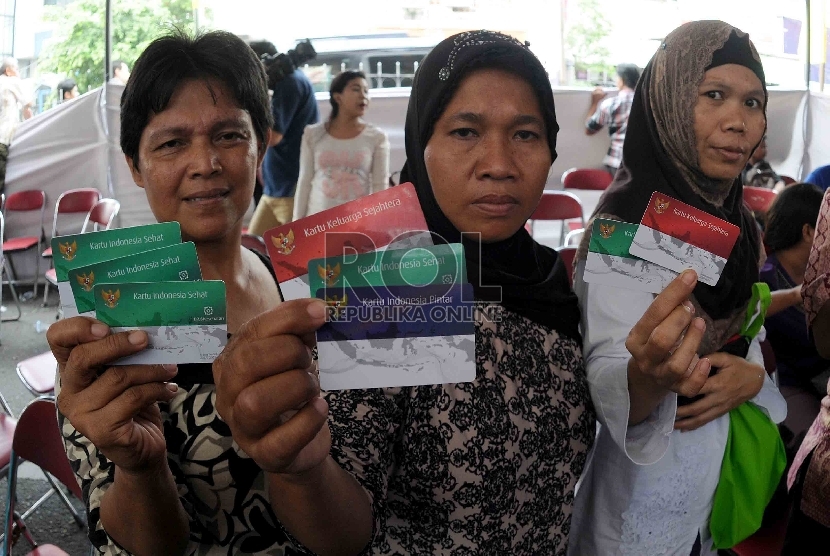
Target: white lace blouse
<point>648,489</point>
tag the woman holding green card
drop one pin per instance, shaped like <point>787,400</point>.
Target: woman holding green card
<point>699,112</point>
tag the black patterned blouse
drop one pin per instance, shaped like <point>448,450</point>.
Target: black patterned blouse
<point>487,467</point>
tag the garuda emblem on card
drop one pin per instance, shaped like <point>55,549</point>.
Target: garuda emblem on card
<point>68,250</point>
<point>86,281</point>
<point>660,205</point>
<point>330,274</point>
<point>336,305</point>
<point>111,297</point>
<point>284,242</point>
<point>605,230</point>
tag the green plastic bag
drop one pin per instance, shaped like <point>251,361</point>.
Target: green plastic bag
<point>753,463</point>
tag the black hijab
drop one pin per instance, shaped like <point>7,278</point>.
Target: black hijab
<point>532,278</point>
<point>659,153</point>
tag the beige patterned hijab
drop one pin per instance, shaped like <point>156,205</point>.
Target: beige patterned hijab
<point>660,154</point>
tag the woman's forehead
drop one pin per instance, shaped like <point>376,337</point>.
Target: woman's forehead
<point>493,87</point>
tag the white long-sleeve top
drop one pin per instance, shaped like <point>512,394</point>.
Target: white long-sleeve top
<point>648,489</point>
<point>334,171</point>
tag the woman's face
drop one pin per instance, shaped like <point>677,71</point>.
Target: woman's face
<point>354,100</point>
<point>488,157</point>
<point>197,161</point>
<point>729,120</point>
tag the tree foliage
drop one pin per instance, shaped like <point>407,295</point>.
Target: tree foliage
<point>587,29</point>
<point>77,48</point>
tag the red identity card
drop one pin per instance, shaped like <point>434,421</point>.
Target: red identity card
<point>678,236</point>
<point>388,219</point>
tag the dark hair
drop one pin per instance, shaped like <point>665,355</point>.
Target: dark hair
<point>796,205</point>
<point>65,86</point>
<point>116,65</point>
<point>629,73</point>
<point>338,85</point>
<point>263,47</point>
<point>170,60</point>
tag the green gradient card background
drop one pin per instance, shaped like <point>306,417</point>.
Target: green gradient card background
<point>95,247</point>
<point>161,303</point>
<point>176,262</point>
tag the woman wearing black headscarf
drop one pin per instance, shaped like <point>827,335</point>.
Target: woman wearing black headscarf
<point>698,113</point>
<point>485,467</point>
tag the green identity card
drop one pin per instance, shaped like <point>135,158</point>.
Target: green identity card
<point>176,262</point>
<point>73,251</point>
<point>185,321</point>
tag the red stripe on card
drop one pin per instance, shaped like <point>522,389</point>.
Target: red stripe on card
<point>686,223</point>
<point>366,224</point>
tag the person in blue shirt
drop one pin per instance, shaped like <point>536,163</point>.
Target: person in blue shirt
<point>294,107</point>
<point>820,177</point>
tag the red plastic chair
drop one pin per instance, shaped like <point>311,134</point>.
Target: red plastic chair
<point>568,254</point>
<point>758,199</point>
<point>254,242</point>
<point>74,201</point>
<point>586,178</point>
<point>4,271</point>
<point>559,205</point>
<point>38,373</point>
<point>25,201</point>
<point>37,439</point>
<point>101,216</point>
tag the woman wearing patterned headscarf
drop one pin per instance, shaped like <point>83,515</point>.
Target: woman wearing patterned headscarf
<point>484,467</point>
<point>698,114</point>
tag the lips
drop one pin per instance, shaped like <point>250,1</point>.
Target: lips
<point>496,205</point>
<point>208,195</point>
<point>731,153</point>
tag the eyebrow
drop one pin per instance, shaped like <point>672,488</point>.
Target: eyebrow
<point>185,130</point>
<point>721,85</point>
<point>476,118</point>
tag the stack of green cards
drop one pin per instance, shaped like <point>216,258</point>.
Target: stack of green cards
<point>397,318</point>
<point>144,277</point>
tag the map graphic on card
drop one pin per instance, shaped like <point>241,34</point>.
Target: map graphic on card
<point>397,336</point>
<point>176,262</point>
<point>439,264</point>
<point>185,321</point>
<point>678,236</point>
<point>610,263</point>
<point>388,219</point>
<point>77,250</point>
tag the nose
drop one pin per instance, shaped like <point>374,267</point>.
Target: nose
<point>735,119</point>
<point>204,160</point>
<point>496,160</point>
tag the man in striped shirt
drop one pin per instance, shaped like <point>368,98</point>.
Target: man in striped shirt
<point>613,112</point>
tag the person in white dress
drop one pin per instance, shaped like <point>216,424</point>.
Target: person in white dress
<point>699,112</point>
<point>344,157</point>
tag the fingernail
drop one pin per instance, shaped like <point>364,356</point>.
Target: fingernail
<point>320,405</point>
<point>707,365</point>
<point>700,324</point>
<point>689,277</point>
<point>172,386</point>
<point>170,368</point>
<point>689,307</point>
<point>317,310</point>
<point>136,337</point>
<point>99,330</point>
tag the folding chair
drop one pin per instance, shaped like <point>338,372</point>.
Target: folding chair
<point>74,201</point>
<point>4,270</point>
<point>38,374</point>
<point>586,178</point>
<point>558,205</point>
<point>567,254</point>
<point>101,216</point>
<point>758,199</point>
<point>255,243</point>
<point>25,201</point>
<point>37,439</point>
